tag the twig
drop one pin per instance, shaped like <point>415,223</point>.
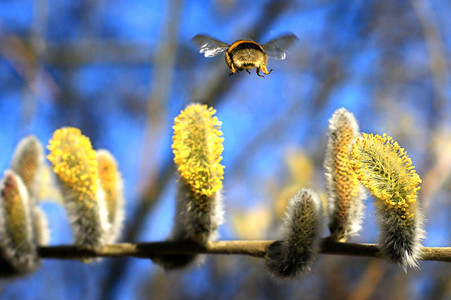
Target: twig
<point>251,248</point>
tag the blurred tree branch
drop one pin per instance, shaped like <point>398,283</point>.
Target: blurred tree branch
<point>161,171</point>
<point>334,75</point>
<point>250,248</point>
<point>369,281</point>
<point>24,62</point>
<point>437,58</point>
<point>438,173</point>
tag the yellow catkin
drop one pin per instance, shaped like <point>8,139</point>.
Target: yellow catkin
<point>197,147</point>
<point>346,182</point>
<point>74,161</point>
<point>385,169</point>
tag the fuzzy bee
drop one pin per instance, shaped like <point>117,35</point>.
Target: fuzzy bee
<point>246,54</point>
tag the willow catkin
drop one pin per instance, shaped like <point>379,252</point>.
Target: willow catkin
<point>16,232</point>
<point>385,169</point>
<point>28,163</point>
<point>75,164</point>
<point>197,147</point>
<point>297,251</point>
<point>345,193</point>
<point>113,187</point>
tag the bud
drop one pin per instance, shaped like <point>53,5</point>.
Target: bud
<point>27,162</point>
<point>75,164</point>
<point>112,185</point>
<point>17,239</point>
<point>295,254</point>
<point>385,169</point>
<point>345,193</point>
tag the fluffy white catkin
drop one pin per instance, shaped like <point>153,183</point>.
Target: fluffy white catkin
<point>16,233</point>
<point>401,243</point>
<point>345,193</point>
<point>40,226</point>
<point>27,163</point>
<point>297,251</point>
<point>197,219</point>
<point>113,187</point>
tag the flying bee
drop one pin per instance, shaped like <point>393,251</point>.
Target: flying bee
<point>246,54</point>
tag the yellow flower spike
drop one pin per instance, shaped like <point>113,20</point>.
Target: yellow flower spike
<point>72,156</point>
<point>385,169</point>
<point>112,185</point>
<point>379,163</point>
<point>75,164</point>
<point>345,193</point>
<point>197,147</point>
<point>17,236</point>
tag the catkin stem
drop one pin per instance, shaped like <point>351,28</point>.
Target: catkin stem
<point>251,248</point>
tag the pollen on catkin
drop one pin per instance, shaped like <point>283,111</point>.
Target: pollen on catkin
<point>17,239</point>
<point>385,169</point>
<point>75,164</point>
<point>197,147</point>
<point>345,193</point>
<point>112,185</point>
<point>27,163</point>
<point>296,252</point>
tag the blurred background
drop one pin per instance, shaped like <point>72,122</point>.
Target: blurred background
<point>122,70</point>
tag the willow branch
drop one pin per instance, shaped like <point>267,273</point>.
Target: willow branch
<point>250,248</point>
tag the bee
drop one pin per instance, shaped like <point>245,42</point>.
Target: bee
<point>246,54</point>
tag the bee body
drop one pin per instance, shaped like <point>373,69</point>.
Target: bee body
<point>246,54</point>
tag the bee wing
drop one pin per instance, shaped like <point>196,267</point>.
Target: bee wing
<point>278,47</point>
<point>209,46</point>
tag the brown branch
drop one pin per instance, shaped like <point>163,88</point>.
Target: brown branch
<point>251,248</point>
